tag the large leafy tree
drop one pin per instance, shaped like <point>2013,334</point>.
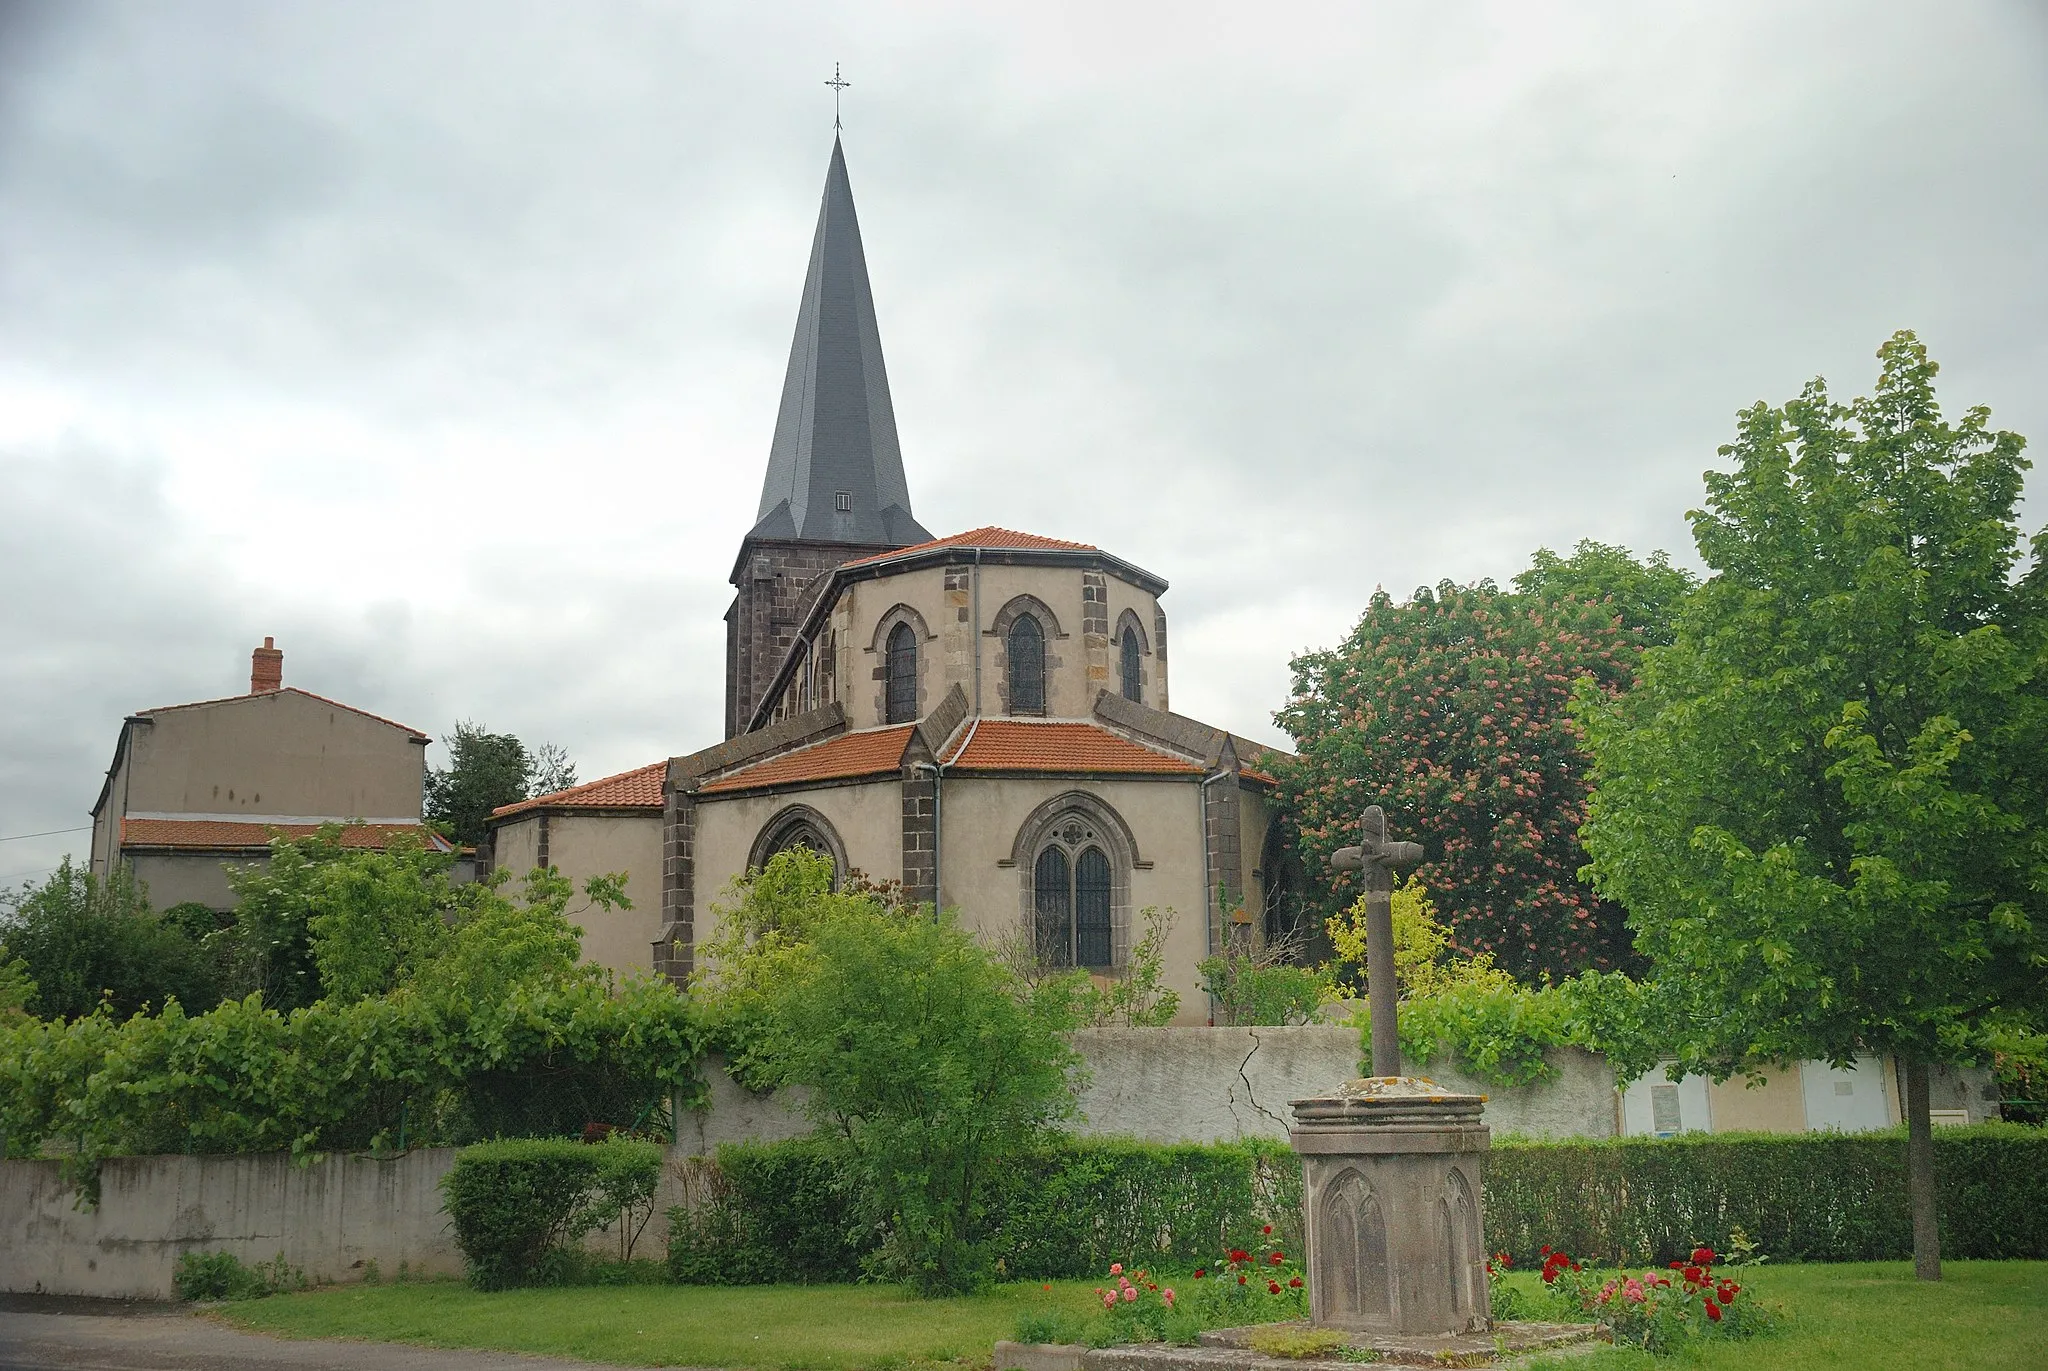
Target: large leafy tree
<point>1644,595</point>
<point>486,770</point>
<point>1452,711</point>
<point>1826,803</point>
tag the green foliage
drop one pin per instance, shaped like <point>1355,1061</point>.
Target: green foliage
<point>793,1211</point>
<point>934,1066</point>
<point>1299,1344</point>
<point>1644,595</point>
<point>1134,997</point>
<point>17,990</point>
<point>1797,1196</point>
<point>223,1276</point>
<point>82,940</point>
<point>1254,986</point>
<point>486,770</point>
<point>245,1078</point>
<point>1501,1032</point>
<point>766,1215</point>
<point>1056,1326</point>
<point>1824,804</point>
<point>1425,961</point>
<point>1451,711</point>
<point>522,1207</point>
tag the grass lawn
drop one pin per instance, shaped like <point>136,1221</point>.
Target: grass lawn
<point>1991,1315</point>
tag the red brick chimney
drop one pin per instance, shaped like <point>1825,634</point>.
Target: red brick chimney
<point>266,668</point>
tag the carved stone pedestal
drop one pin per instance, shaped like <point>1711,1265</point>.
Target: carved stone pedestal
<point>1395,1243</point>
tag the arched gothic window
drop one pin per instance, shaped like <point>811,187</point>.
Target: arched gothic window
<point>1026,644</point>
<point>1073,891</point>
<point>1134,680</point>
<point>900,707</point>
<point>799,826</point>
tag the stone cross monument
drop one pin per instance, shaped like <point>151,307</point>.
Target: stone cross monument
<point>1392,1163</point>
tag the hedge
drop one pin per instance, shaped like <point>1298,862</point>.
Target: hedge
<point>521,1207</point>
<point>785,1211</point>
<point>1824,1197</point>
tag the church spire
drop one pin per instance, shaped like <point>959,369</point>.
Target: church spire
<point>835,473</point>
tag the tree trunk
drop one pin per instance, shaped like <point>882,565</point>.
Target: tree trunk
<point>1920,1171</point>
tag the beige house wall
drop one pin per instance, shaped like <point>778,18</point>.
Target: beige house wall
<point>175,878</point>
<point>274,755</point>
<point>865,605</point>
<point>584,845</point>
<point>515,845</point>
<point>1124,596</point>
<point>1776,1106</point>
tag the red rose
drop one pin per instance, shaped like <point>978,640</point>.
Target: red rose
<point>1692,1274</point>
<point>1200,1272</point>
<point>1267,1229</point>
<point>1713,1311</point>
<point>1272,1287</point>
<point>1703,1256</point>
<point>1238,1254</point>
<point>1279,1257</point>
<point>1295,1283</point>
<point>1240,1280</point>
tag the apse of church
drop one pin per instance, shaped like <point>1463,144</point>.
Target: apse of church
<point>982,717</point>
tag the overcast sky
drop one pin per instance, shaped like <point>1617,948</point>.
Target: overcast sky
<point>442,340</point>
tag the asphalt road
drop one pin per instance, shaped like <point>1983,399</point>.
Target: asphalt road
<point>63,1333</point>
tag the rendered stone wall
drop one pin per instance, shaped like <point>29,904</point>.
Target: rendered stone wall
<point>328,1218</point>
<point>1214,1085</point>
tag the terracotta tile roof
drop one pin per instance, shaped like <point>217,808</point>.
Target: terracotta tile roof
<point>871,752</point>
<point>214,834</point>
<point>990,537</point>
<point>1058,745</point>
<point>637,789</point>
<point>285,690</point>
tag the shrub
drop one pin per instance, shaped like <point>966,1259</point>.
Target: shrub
<point>1797,1196</point>
<point>793,1211</point>
<point>522,1207</point>
<point>1051,1326</point>
<point>222,1276</point>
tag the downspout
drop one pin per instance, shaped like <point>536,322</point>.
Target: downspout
<point>1208,895</point>
<point>974,593</point>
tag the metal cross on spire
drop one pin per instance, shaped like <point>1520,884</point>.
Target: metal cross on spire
<point>837,85</point>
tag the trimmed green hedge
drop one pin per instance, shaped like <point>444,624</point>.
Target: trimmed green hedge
<point>521,1207</point>
<point>1826,1197</point>
<point>785,1211</point>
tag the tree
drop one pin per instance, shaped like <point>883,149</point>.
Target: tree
<point>1451,711</point>
<point>1825,804</point>
<point>1645,594</point>
<point>931,1064</point>
<point>485,771</point>
<point>80,939</point>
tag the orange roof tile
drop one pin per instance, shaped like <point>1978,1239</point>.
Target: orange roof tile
<point>990,537</point>
<point>285,690</point>
<point>212,834</point>
<point>639,788</point>
<point>1059,745</point>
<point>871,752</point>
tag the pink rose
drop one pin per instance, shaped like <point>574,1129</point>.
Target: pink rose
<point>1109,1299</point>
<point>1167,1294</point>
<point>1130,1294</point>
<point>1116,1268</point>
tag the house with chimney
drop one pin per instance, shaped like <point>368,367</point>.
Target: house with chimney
<point>982,717</point>
<point>196,788</point>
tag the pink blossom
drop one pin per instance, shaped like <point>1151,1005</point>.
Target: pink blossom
<point>1109,1299</point>
<point>1116,1268</point>
<point>1129,1294</point>
<point>1167,1295</point>
<point>1633,1289</point>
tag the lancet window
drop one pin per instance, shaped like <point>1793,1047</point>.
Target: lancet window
<point>900,705</point>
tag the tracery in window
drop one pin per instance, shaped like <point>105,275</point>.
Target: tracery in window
<point>1073,893</point>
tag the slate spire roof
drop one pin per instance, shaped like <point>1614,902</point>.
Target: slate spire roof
<point>835,435</point>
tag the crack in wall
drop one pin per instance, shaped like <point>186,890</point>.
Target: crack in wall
<point>1251,1096</point>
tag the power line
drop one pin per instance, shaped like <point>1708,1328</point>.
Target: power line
<point>46,833</point>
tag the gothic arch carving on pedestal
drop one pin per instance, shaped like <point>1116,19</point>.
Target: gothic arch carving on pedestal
<point>1460,1244</point>
<point>799,825</point>
<point>1351,1257</point>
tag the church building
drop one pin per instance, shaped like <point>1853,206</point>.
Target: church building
<point>982,717</point>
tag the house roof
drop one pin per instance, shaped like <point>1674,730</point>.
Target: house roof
<point>212,835</point>
<point>285,690</point>
<point>639,788</point>
<point>870,752</point>
<point>990,537</point>
<point>1058,745</point>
